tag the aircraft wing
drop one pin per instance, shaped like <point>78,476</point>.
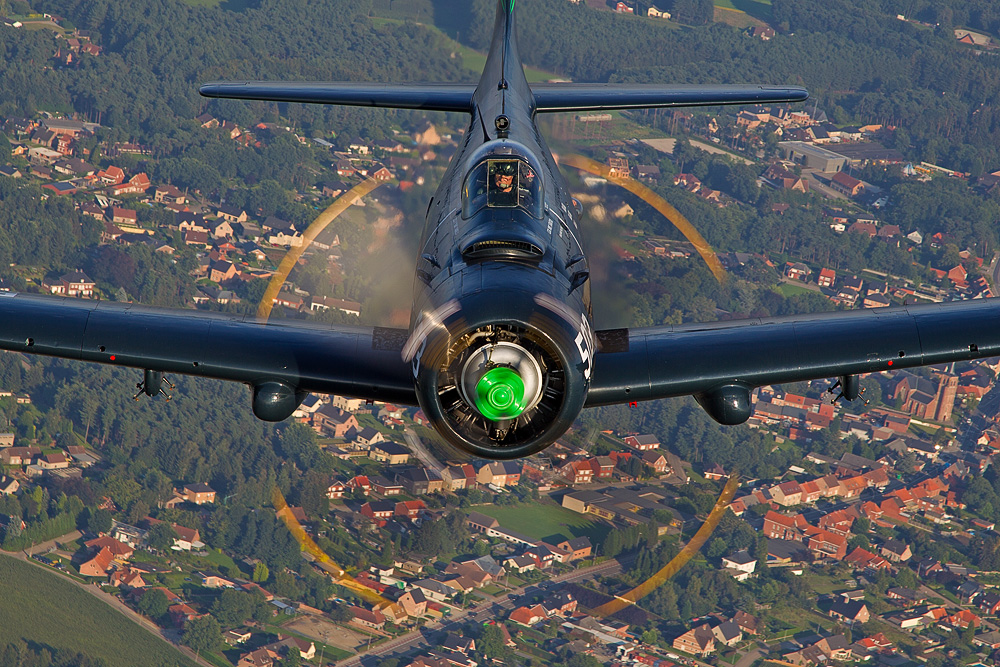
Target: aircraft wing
<point>430,96</point>
<point>658,362</point>
<point>358,361</point>
<point>608,96</point>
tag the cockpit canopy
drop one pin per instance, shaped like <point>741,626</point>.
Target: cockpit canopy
<point>503,179</point>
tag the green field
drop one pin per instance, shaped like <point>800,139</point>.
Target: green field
<point>476,61</point>
<point>546,521</point>
<point>47,611</point>
<point>759,9</point>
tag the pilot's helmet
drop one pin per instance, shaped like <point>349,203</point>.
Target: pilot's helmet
<point>505,168</point>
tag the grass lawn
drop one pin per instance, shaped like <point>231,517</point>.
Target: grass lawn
<point>45,610</point>
<point>759,9</point>
<point>475,61</point>
<point>788,289</point>
<point>800,619</point>
<point>822,585</point>
<point>545,521</point>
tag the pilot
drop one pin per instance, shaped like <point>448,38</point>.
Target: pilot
<point>503,191</point>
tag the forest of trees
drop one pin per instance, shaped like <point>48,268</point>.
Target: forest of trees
<point>860,64</point>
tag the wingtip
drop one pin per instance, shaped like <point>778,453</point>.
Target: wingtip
<point>219,88</point>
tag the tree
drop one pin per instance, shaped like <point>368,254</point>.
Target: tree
<point>260,573</point>
<point>583,660</point>
<point>341,614</point>
<point>99,521</point>
<point>154,603</point>
<point>232,608</point>
<point>492,645</point>
<point>161,536</point>
<point>203,634</point>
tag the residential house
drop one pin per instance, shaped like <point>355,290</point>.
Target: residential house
<point>797,271</point>
<point>343,305</point>
<point>168,194</point>
<point>232,214</point>
<point>418,481</point>
<point>379,509</point>
<point>58,461</point>
<point>120,551</point>
<point>740,565</point>
<point>850,612</point>
<point>410,509</point>
<point>8,485</point>
<point>367,437</point>
<point>896,551</point>
<point>643,443</point>
<point>576,548</point>
<point>500,473</point>
<point>16,456</point>
<point>199,494</point>
<point>728,633</point>
<point>384,487</point>
<point>373,619</point>
<point>826,278</point>
<point>459,477</point>
<point>846,184</point>
<point>577,471</point>
<point>387,452</point>
<point>98,564</point>
<point>656,461</point>
<point>334,421</point>
<point>783,527</point>
<point>336,489</point>
<point>528,616</point>
<point>698,641</point>
<point>75,283</point>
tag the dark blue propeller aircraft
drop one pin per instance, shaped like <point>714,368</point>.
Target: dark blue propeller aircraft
<point>500,353</point>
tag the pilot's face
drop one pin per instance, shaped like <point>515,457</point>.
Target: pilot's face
<point>505,181</point>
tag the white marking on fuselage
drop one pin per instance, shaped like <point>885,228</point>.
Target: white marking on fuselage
<point>584,334</point>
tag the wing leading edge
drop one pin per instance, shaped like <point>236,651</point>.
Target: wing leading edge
<point>659,362</point>
<point>548,96</point>
<point>355,361</point>
<point>608,96</point>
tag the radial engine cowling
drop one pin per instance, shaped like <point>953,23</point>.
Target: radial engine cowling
<point>503,390</point>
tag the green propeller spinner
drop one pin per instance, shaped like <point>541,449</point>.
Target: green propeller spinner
<point>500,394</point>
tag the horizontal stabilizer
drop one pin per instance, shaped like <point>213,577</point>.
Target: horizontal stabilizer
<point>429,96</point>
<point>459,96</point>
<point>609,96</point>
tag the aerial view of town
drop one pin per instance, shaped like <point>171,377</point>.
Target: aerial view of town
<point>177,529</point>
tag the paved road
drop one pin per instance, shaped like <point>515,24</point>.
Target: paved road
<point>751,657</point>
<point>491,609</point>
<point>421,452</point>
